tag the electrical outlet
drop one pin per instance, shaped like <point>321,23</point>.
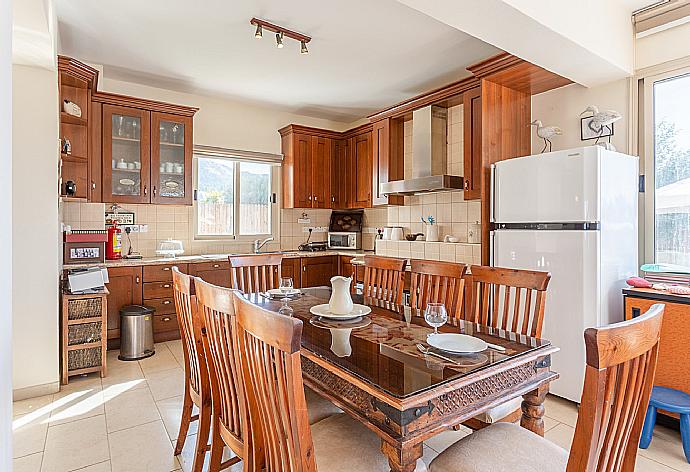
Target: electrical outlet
<point>304,221</point>
<point>143,228</point>
<point>305,229</point>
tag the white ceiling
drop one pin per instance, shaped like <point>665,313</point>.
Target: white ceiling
<point>365,55</point>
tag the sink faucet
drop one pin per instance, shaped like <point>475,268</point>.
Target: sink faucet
<point>259,244</point>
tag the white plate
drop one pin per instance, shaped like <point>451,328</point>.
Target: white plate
<point>276,292</point>
<point>322,310</point>
<point>456,343</point>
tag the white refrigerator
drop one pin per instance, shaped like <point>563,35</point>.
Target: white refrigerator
<point>574,214</point>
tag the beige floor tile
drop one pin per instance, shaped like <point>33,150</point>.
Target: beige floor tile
<point>561,434</point>
<point>83,384</point>
<point>76,444</point>
<point>30,463</point>
<point>186,458</point>
<point>144,448</point>
<point>166,383</point>
<point>29,434</point>
<point>161,360</point>
<point>666,448</point>
<point>429,455</point>
<point>131,408</point>
<point>23,407</point>
<point>647,465</point>
<point>123,374</point>
<point>170,410</point>
<point>550,423</point>
<point>176,349</point>
<point>442,441</point>
<point>78,405</point>
<point>561,410</point>
<point>100,467</point>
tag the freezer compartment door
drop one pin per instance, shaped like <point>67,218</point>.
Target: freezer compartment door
<point>558,187</point>
<point>572,295</point>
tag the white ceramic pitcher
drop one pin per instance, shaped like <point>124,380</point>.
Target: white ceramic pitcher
<point>341,301</point>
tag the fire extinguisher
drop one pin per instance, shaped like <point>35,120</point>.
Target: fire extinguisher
<point>113,248</point>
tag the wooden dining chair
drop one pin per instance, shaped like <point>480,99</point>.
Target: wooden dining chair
<point>197,385</point>
<point>255,272</point>
<point>229,420</point>
<point>620,366</point>
<point>272,373</point>
<point>384,278</point>
<point>508,299</point>
<point>438,282</point>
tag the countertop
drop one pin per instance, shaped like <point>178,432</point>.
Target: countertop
<point>208,258</point>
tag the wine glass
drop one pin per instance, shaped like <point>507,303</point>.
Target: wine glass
<point>436,315</point>
<point>286,286</point>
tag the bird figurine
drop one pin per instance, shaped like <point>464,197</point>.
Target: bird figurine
<point>601,120</point>
<point>546,133</point>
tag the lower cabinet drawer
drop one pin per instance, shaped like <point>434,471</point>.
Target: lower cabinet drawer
<point>158,290</point>
<point>163,306</point>
<point>162,323</point>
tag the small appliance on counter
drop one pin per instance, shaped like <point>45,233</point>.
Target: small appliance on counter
<point>84,246</point>
<point>345,230</point>
<point>314,246</point>
<point>170,248</point>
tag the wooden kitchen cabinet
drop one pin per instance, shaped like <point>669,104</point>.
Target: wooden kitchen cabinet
<point>317,271</point>
<point>216,273</point>
<point>125,288</point>
<point>290,267</point>
<point>360,170</point>
<point>339,174</point>
<point>321,151</point>
<point>158,292</point>
<point>386,159</point>
<point>171,159</point>
<point>472,151</point>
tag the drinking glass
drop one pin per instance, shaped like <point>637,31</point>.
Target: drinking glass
<point>286,286</point>
<point>436,315</point>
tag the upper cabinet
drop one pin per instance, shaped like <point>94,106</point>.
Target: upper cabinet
<point>122,149</point>
<point>146,150</point>
<point>472,157</point>
<point>387,159</point>
<point>359,170</point>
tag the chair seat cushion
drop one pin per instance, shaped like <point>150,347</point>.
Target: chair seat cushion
<point>501,447</point>
<point>343,444</point>
<point>499,412</point>
<point>318,407</point>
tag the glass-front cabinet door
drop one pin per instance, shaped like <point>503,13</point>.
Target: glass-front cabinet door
<point>171,159</point>
<point>126,154</point>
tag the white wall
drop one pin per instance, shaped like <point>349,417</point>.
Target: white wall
<point>34,227</point>
<point>225,123</point>
<point>562,107</point>
<point>5,235</point>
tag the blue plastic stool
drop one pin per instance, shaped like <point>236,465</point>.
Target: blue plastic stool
<point>673,401</point>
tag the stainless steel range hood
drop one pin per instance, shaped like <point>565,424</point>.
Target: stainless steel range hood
<point>429,156</point>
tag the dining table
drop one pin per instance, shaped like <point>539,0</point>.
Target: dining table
<point>372,368</point>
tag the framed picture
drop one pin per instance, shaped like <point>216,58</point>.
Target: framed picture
<point>122,217</point>
<point>587,133</point>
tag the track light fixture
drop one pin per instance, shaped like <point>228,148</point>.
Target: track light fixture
<point>281,33</point>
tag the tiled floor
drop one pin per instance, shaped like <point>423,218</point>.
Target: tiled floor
<point>127,422</point>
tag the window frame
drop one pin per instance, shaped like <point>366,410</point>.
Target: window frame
<point>237,157</point>
<point>647,147</point>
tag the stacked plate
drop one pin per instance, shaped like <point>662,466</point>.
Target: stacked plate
<point>324,312</point>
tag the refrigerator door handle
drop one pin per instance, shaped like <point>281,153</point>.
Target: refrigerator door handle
<point>492,190</point>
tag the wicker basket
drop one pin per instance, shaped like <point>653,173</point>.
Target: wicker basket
<point>80,308</point>
<point>83,358</point>
<point>84,333</point>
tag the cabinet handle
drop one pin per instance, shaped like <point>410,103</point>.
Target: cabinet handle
<point>166,302</point>
<point>146,191</point>
<point>309,197</point>
<point>316,198</point>
<point>304,268</point>
<point>154,190</point>
<point>166,268</point>
<point>167,318</point>
<point>333,198</point>
<point>467,184</point>
<point>93,185</point>
<point>136,279</point>
<point>215,266</point>
<point>166,285</point>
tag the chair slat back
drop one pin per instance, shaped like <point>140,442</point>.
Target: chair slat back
<point>189,320</point>
<point>384,278</point>
<point>621,362</point>
<point>438,282</point>
<point>220,344</point>
<point>272,372</point>
<point>255,273</point>
<point>508,299</point>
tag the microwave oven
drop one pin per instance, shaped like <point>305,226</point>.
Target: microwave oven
<point>345,240</point>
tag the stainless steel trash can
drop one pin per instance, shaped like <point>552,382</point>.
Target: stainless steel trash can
<point>136,332</point>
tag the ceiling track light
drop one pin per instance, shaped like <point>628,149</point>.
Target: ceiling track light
<point>281,34</point>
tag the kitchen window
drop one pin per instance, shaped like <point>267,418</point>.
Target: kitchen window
<point>667,168</point>
<point>235,194</point>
